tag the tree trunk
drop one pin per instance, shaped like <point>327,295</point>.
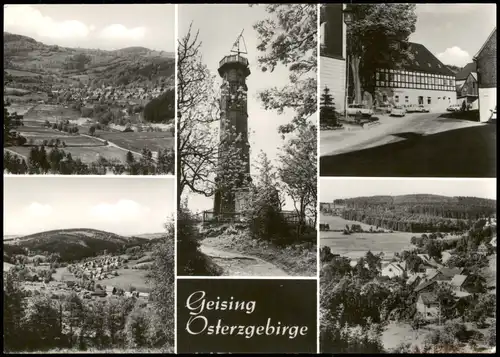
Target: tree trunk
<point>355,60</point>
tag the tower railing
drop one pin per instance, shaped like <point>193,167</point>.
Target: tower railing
<point>233,58</point>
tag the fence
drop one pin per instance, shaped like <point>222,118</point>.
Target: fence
<point>229,217</point>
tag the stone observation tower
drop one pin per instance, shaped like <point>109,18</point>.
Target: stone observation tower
<point>234,148</point>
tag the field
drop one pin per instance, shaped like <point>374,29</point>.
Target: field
<point>128,278</point>
<point>136,141</point>
<point>338,223</point>
<point>51,112</point>
<point>87,154</point>
<point>81,145</point>
<point>356,245</point>
<point>18,73</point>
<point>62,274</point>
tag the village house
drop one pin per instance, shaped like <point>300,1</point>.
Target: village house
<point>428,306</point>
<point>486,62</point>
<point>447,274</point>
<point>467,87</point>
<point>110,290</point>
<point>445,256</point>
<point>394,269</point>
<point>482,249</point>
<point>424,80</point>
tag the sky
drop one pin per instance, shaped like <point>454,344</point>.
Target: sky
<point>454,32</point>
<point>334,188</point>
<point>219,26</point>
<point>125,206</point>
<point>107,27</point>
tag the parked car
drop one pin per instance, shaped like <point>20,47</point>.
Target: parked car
<point>355,109</point>
<point>385,108</point>
<point>454,108</point>
<point>423,109</point>
<point>410,108</point>
<point>398,111</point>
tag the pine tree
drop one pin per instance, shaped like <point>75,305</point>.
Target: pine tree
<point>328,115</point>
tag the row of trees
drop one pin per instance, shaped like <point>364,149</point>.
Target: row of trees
<point>407,222</point>
<point>57,161</point>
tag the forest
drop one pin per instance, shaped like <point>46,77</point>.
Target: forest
<point>418,213</point>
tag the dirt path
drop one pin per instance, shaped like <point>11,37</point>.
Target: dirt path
<point>235,264</point>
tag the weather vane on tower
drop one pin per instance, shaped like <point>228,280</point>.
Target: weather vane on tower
<point>236,46</point>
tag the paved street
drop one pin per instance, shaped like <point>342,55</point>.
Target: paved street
<point>420,144</point>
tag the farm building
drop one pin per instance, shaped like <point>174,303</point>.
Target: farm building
<point>428,306</point>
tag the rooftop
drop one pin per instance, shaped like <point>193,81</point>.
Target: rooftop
<point>464,72</point>
<point>429,298</point>
<point>425,61</point>
<point>458,280</point>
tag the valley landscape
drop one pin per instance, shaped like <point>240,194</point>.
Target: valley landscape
<point>108,288</point>
<point>87,111</point>
<point>408,274</point>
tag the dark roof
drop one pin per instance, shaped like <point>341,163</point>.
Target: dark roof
<point>425,61</point>
<point>464,72</point>
<point>449,273</point>
<point>429,298</point>
<point>424,285</point>
<point>494,32</point>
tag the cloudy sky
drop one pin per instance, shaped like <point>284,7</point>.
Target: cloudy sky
<point>333,188</point>
<point>219,26</point>
<point>126,206</point>
<point>454,32</point>
<point>108,27</point>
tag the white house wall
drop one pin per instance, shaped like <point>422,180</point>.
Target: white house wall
<point>487,102</point>
<point>332,75</point>
<point>440,100</point>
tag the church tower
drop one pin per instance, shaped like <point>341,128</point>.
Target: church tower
<point>234,152</point>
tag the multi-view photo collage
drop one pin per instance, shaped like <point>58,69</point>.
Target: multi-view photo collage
<point>249,178</point>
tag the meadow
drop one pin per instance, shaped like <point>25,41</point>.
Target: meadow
<point>356,245</point>
<point>128,278</point>
<point>136,141</point>
<point>337,223</point>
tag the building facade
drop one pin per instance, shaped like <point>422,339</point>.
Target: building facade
<point>428,306</point>
<point>234,152</point>
<point>486,61</point>
<point>333,53</point>
<point>467,87</point>
<point>425,80</point>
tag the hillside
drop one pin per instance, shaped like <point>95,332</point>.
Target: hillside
<point>28,62</point>
<point>418,213</point>
<point>72,244</point>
